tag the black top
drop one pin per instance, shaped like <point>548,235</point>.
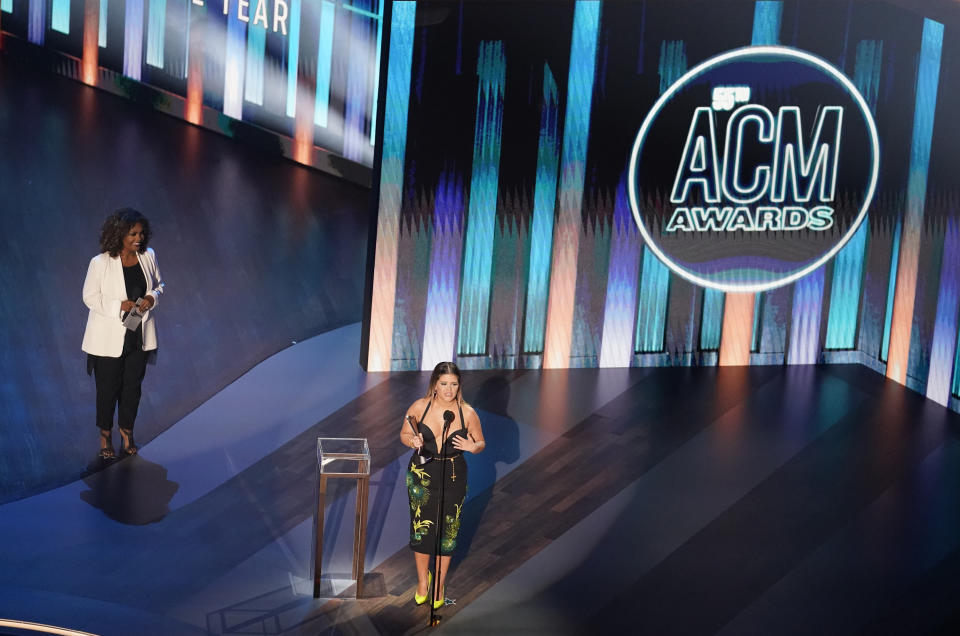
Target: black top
<point>135,280</point>
<point>449,450</point>
<point>136,284</point>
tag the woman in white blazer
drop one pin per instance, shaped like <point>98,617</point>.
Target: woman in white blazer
<point>123,276</point>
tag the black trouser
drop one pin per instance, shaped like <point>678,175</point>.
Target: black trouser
<point>118,385</point>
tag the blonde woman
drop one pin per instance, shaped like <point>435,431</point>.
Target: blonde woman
<point>424,427</point>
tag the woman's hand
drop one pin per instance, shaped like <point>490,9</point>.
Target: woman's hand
<point>416,439</point>
<point>462,443</point>
<point>146,303</point>
<point>127,305</point>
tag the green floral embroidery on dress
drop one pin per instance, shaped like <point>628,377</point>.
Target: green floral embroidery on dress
<point>419,496</point>
<point>451,529</point>
<point>420,528</point>
<point>419,472</point>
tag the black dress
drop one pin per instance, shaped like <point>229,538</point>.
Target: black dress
<point>423,490</point>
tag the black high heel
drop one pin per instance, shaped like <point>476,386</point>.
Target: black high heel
<point>129,446</point>
<point>106,452</point>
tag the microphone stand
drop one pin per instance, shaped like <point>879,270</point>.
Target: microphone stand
<point>434,619</point>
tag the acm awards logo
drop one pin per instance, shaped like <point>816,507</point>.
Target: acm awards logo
<point>753,169</point>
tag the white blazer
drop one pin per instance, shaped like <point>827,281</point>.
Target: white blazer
<point>103,291</point>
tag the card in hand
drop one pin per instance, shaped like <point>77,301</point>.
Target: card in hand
<point>132,320</point>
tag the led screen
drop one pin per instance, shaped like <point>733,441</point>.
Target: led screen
<point>298,77</point>
<point>615,184</point>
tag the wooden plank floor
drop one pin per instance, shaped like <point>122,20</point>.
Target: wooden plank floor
<point>753,496</point>
<point>558,487</point>
<point>572,477</point>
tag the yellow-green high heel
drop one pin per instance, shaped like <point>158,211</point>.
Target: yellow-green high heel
<point>437,604</point>
<point>420,600</point>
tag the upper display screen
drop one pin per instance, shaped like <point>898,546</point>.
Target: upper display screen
<point>305,70</point>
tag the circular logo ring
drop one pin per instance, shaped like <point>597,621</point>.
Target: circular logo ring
<point>747,52</point>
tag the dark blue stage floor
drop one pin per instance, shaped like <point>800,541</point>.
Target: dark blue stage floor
<point>763,500</point>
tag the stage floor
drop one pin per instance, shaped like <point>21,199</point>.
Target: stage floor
<point>754,500</point>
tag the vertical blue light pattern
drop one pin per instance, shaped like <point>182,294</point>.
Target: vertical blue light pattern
<point>891,289</point>
<point>651,317</point>
<point>357,102</point>
<point>654,275</point>
<point>944,344</point>
<point>398,96</point>
<point>583,57</point>
<point>398,102</point>
<point>955,389</point>
<point>804,338</point>
<point>293,58</point>
<point>156,30</point>
<point>328,12</point>
<point>60,18</point>
<point>766,22</point>
<point>440,322</point>
<point>845,292</point>
<point>189,18</point>
<point>561,301</point>
<point>767,16</point>
<point>866,72</point>
<point>673,63</point>
<point>478,251</point>
<point>6,6</point>
<point>928,77</point>
<point>711,322</point>
<point>541,227</point>
<point>36,17</point>
<point>376,77</point>
<point>620,304</point>
<point>102,33</point>
<point>383,302</point>
<point>848,265</point>
<point>133,39</point>
<point>805,322</point>
<point>253,76</point>
<point>233,67</point>
<point>757,306</point>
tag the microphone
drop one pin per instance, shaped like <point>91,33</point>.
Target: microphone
<point>447,419</point>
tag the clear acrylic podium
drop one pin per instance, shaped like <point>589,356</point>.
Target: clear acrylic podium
<point>342,458</point>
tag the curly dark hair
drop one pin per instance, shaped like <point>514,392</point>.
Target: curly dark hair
<point>116,227</point>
